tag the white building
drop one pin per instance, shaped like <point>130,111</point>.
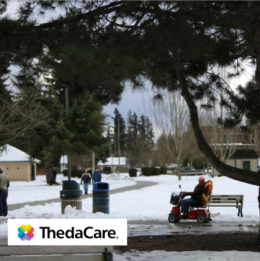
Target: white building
<point>113,161</point>
<point>18,165</point>
<point>63,163</point>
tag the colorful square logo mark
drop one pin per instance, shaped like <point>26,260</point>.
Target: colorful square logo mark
<point>25,232</point>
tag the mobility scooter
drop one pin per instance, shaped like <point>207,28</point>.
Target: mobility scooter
<point>202,215</point>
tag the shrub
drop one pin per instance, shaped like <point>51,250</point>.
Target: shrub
<point>156,171</point>
<point>75,173</point>
<point>132,172</point>
<point>65,172</point>
<point>163,170</point>
<point>146,171</point>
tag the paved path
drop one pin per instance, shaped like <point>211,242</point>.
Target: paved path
<point>155,228</point>
<point>138,185</point>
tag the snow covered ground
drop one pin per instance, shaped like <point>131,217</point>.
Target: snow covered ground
<point>151,203</point>
<point>188,255</point>
<point>22,192</point>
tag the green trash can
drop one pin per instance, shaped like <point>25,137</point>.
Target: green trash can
<point>70,195</point>
<point>100,197</point>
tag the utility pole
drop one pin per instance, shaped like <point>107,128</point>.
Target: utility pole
<point>67,114</point>
<point>93,162</point>
<point>119,146</point>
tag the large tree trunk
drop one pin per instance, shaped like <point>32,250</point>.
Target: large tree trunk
<point>246,176</point>
<point>49,172</point>
<point>179,169</point>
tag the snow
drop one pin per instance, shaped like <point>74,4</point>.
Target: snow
<point>11,154</point>
<point>22,191</point>
<point>187,255</point>
<point>151,203</point>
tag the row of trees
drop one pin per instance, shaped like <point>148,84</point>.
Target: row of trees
<point>135,136</point>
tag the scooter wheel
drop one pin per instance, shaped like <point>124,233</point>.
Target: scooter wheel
<point>172,218</point>
<point>201,219</point>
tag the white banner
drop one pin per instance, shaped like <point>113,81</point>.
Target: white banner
<point>60,232</point>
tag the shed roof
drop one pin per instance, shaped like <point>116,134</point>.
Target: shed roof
<point>12,154</point>
<point>244,154</point>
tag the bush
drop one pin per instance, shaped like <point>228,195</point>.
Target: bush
<point>156,171</point>
<point>146,171</point>
<point>163,170</point>
<point>75,173</point>
<point>132,172</point>
<point>65,172</point>
<point>198,164</point>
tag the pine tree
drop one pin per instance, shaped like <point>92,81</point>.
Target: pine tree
<point>77,133</point>
<point>119,136</point>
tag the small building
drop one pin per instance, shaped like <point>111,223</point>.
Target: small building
<point>63,162</point>
<point>18,165</point>
<point>244,159</point>
<point>113,162</point>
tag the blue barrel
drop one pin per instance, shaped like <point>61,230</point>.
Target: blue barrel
<point>100,197</point>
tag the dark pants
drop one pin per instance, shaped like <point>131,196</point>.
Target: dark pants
<point>3,202</point>
<point>186,204</point>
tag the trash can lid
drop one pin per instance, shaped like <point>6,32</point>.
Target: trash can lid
<point>70,185</point>
<point>101,187</point>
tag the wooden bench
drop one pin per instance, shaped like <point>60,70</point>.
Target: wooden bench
<point>227,201</point>
<point>54,253</point>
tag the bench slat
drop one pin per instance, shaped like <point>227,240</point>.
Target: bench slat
<point>227,195</point>
<point>223,201</point>
<point>222,205</point>
<point>50,250</point>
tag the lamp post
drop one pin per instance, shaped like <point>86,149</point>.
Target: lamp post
<point>93,162</point>
<point>118,147</point>
<point>258,238</point>
<point>67,113</point>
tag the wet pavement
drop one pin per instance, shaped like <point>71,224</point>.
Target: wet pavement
<point>155,228</point>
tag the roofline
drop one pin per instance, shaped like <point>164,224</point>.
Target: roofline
<point>243,158</point>
<point>18,161</point>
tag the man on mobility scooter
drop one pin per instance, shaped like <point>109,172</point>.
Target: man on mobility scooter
<point>199,199</point>
<point>196,198</point>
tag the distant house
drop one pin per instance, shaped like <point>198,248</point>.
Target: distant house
<point>110,162</point>
<point>113,162</point>
<point>243,159</point>
<point>18,165</point>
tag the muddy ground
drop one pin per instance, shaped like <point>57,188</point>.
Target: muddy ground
<point>215,242</point>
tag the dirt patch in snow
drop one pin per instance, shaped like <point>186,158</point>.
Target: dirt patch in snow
<point>215,242</point>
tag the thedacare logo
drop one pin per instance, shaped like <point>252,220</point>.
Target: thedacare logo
<point>87,232</point>
<point>62,232</point>
<point>25,232</point>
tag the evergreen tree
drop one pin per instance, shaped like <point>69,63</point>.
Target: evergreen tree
<point>75,133</point>
<point>119,136</point>
<point>139,140</point>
